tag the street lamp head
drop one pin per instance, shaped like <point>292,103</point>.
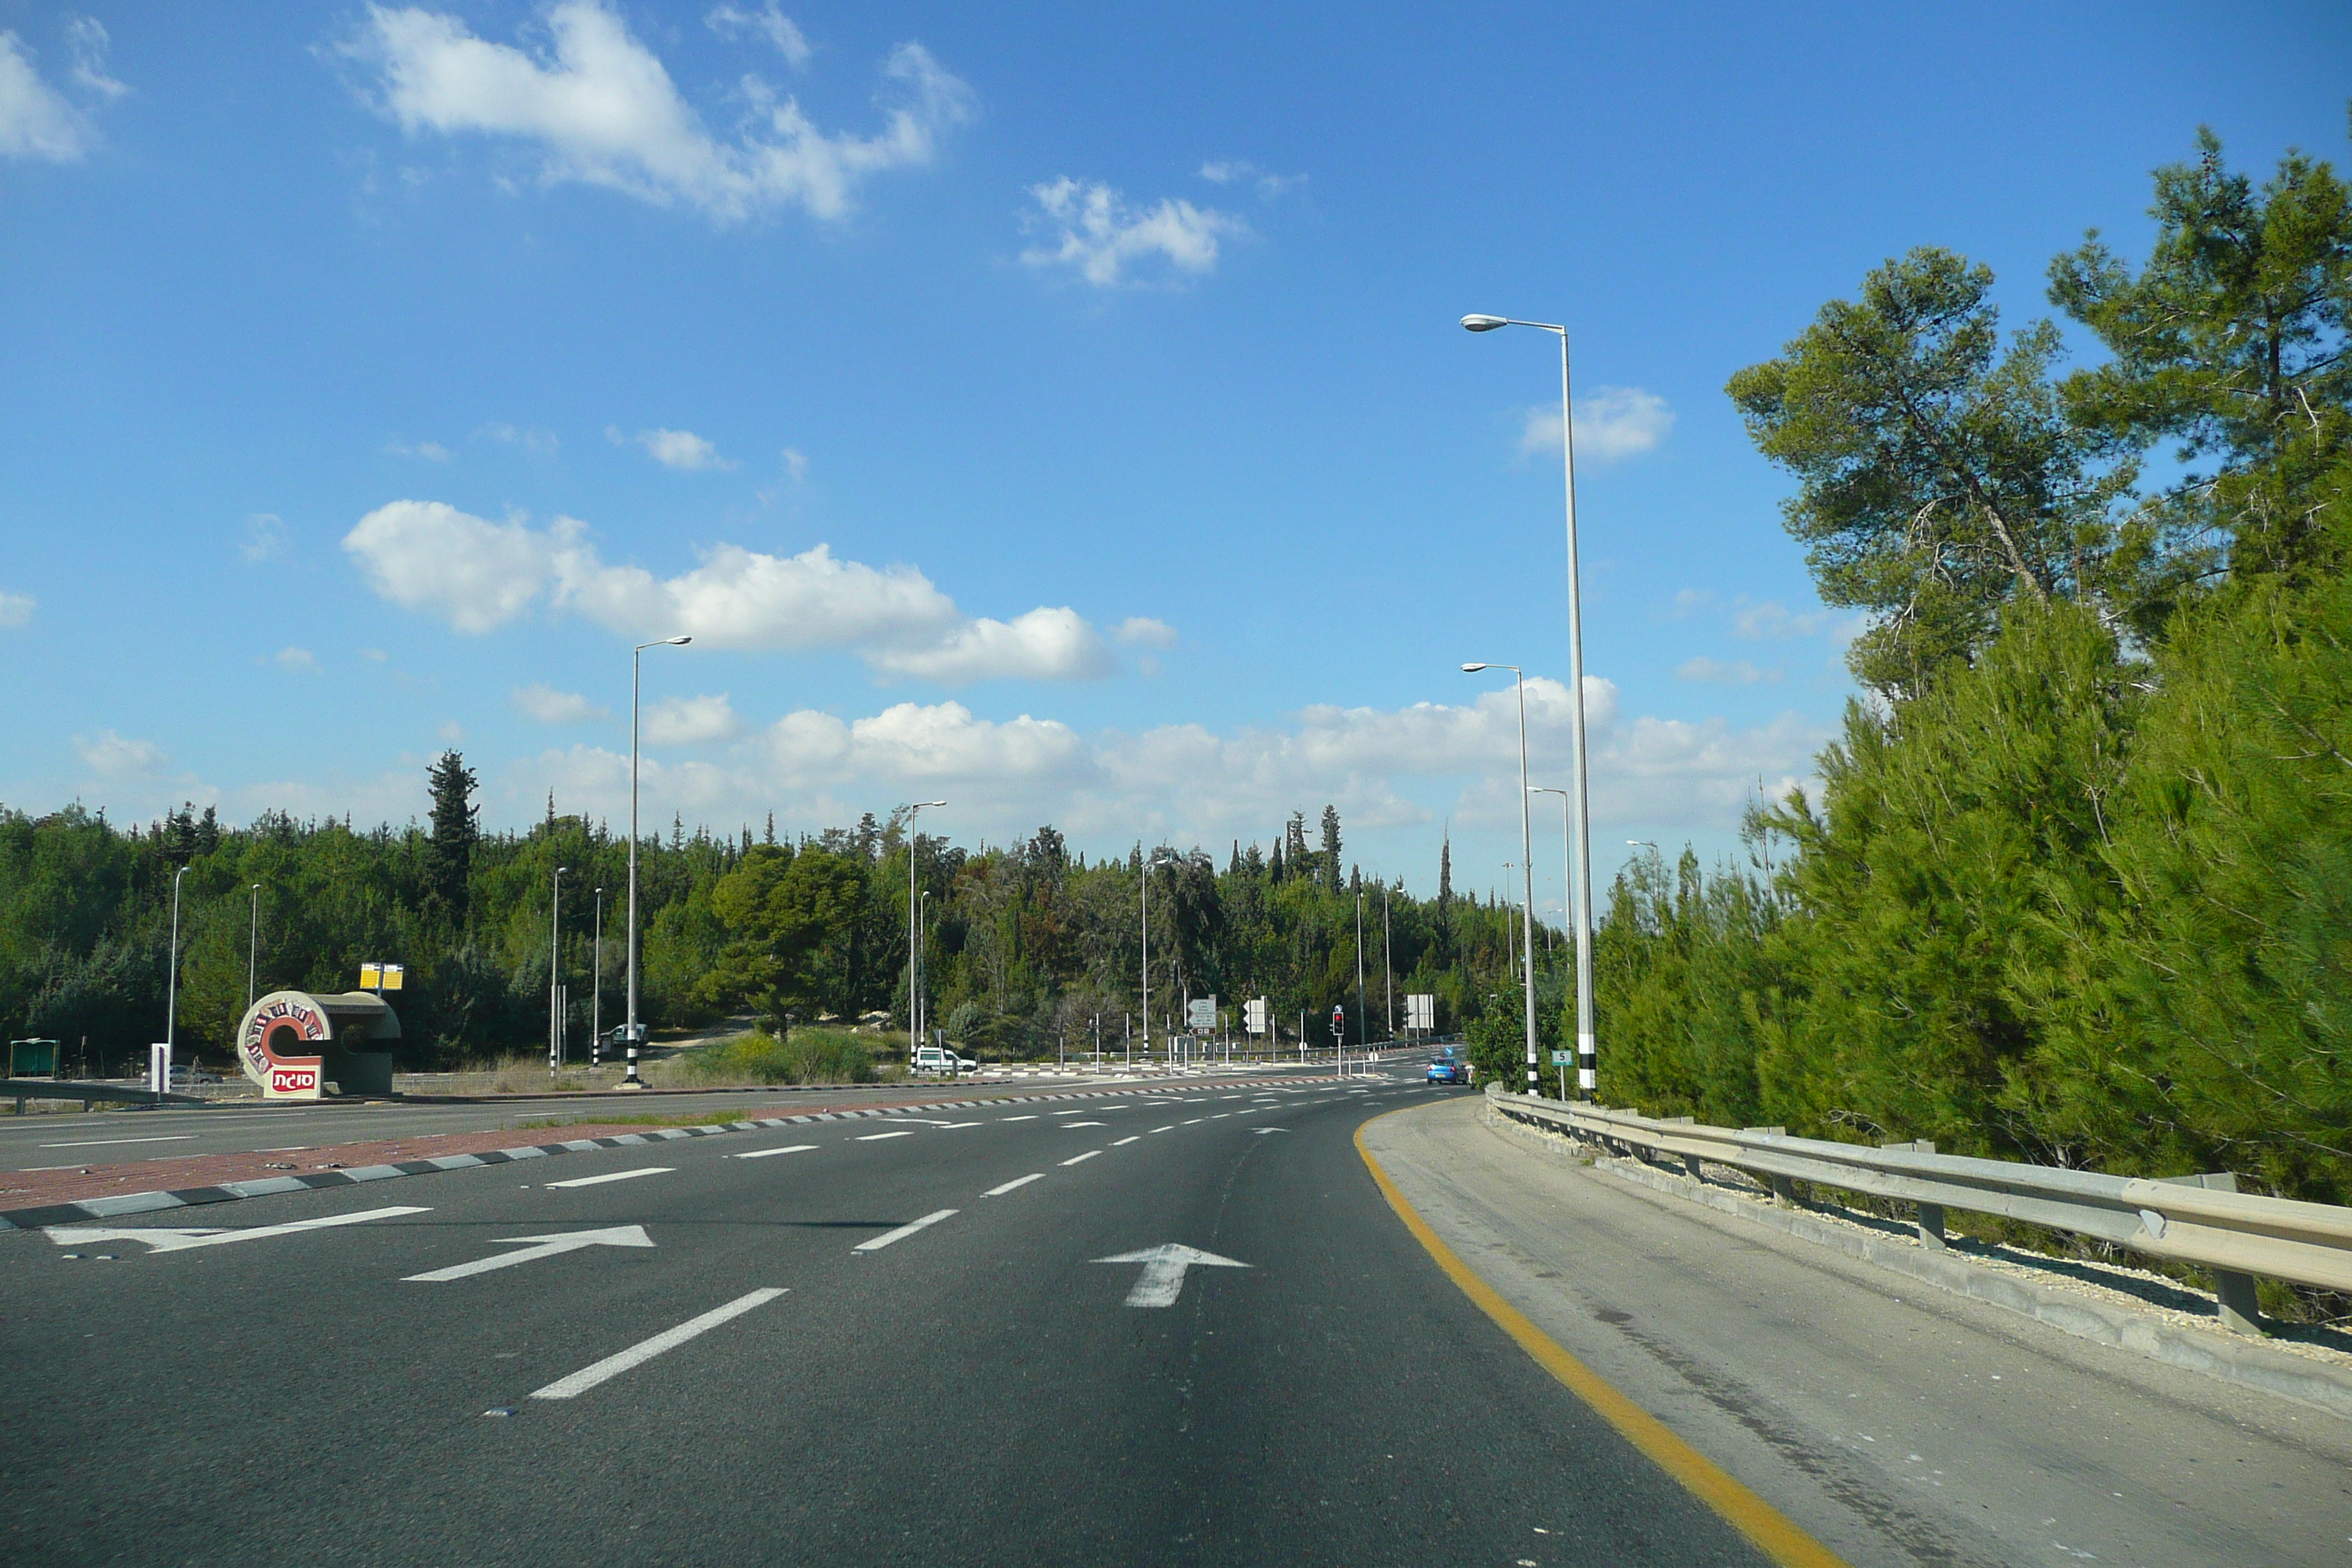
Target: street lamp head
<point>1484,323</point>
<point>1472,669</point>
<point>675,642</point>
<point>930,802</point>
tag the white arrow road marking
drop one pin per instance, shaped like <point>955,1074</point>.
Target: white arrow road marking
<point>877,1136</point>
<point>1162,1279</point>
<point>615,1176</point>
<point>764,1154</point>
<point>1016,1182</point>
<point>1264,1131</point>
<point>612,1366</point>
<point>540,1246</point>
<point>181,1239</point>
<point>877,1243</point>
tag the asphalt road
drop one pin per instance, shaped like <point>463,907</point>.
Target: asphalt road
<point>106,1137</point>
<point>978,1389</point>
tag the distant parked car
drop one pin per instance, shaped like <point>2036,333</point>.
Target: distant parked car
<point>1449,1065</point>
<point>938,1059</point>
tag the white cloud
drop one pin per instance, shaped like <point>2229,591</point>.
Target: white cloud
<point>1384,768</point>
<point>1611,422</point>
<point>431,451</point>
<point>1740,674</point>
<point>264,537</point>
<point>426,555</point>
<point>1044,645</point>
<point>691,721</point>
<point>680,449</point>
<point>451,731</point>
<point>795,464</point>
<point>1142,631</point>
<point>543,703</point>
<point>478,575</point>
<point>296,661</point>
<point>538,443</point>
<point>112,756</point>
<point>1767,619</point>
<point>86,37</point>
<point>770,23</point>
<point>599,107</point>
<point>1094,231</point>
<point>35,121</point>
<point>1238,170</point>
<point>16,609</point>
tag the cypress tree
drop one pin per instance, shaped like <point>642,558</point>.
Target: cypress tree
<point>449,853</point>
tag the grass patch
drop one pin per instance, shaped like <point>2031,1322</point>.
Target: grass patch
<point>806,1056</point>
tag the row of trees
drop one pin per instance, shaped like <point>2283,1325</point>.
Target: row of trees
<point>2080,885</point>
<point>1028,949</point>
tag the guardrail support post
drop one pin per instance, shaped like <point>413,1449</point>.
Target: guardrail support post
<point>1690,1167</point>
<point>2234,1296</point>
<point>1931,1227</point>
<point>1784,1191</point>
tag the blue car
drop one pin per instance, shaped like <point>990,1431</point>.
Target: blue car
<point>1449,1065</point>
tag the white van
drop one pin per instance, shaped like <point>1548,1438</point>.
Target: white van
<point>938,1059</point>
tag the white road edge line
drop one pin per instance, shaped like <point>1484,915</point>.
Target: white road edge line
<point>612,1366</point>
<point>102,1142</point>
<point>612,1176</point>
<point>1087,1155</point>
<point>1016,1182</point>
<point>764,1154</point>
<point>877,1243</point>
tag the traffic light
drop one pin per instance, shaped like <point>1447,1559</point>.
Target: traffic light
<point>1339,1023</point>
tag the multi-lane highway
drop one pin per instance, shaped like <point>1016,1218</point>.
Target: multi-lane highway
<point>1179,1326</point>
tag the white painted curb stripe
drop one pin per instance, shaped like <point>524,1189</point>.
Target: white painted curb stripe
<point>902,1233</point>
<point>613,1176</point>
<point>612,1366</point>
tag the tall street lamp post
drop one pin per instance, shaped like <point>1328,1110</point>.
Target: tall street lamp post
<point>1147,866</point>
<point>556,972</point>
<point>596,989</point>
<point>636,1034</point>
<point>1587,1064</point>
<point>1527,872</point>
<point>253,948</point>
<point>172,983</point>
<point>1567,842</point>
<point>914,936</point>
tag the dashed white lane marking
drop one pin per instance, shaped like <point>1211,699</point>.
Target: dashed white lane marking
<point>902,1233</point>
<point>612,1176</point>
<point>1030,1116</point>
<point>764,1154</point>
<point>1170,1128</point>
<point>1220,1115</point>
<point>1016,1182</point>
<point>1068,1125</point>
<point>637,1355</point>
<point>1123,1142</point>
<point>1074,1110</point>
<point>102,1142</point>
<point>1083,1158</point>
<point>1196,1122</point>
<point>877,1136</point>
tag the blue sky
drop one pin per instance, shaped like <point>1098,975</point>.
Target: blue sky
<point>1061,413</point>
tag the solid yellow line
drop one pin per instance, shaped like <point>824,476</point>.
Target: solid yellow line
<point>1759,1520</point>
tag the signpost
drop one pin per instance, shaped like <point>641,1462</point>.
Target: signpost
<point>1421,1011</point>
<point>382,977</point>
<point>1200,1015</point>
<point>1563,1061</point>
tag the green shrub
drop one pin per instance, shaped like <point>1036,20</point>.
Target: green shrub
<point>806,1056</point>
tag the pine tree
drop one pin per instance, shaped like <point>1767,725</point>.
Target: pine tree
<point>1331,847</point>
<point>449,852</point>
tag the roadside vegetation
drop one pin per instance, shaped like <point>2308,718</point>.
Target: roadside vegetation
<point>2079,887</point>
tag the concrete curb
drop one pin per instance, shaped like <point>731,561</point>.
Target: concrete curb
<point>116,1207</point>
<point>2244,1363</point>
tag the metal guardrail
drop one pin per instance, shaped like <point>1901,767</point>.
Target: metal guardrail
<point>21,1089</point>
<point>2202,1220</point>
